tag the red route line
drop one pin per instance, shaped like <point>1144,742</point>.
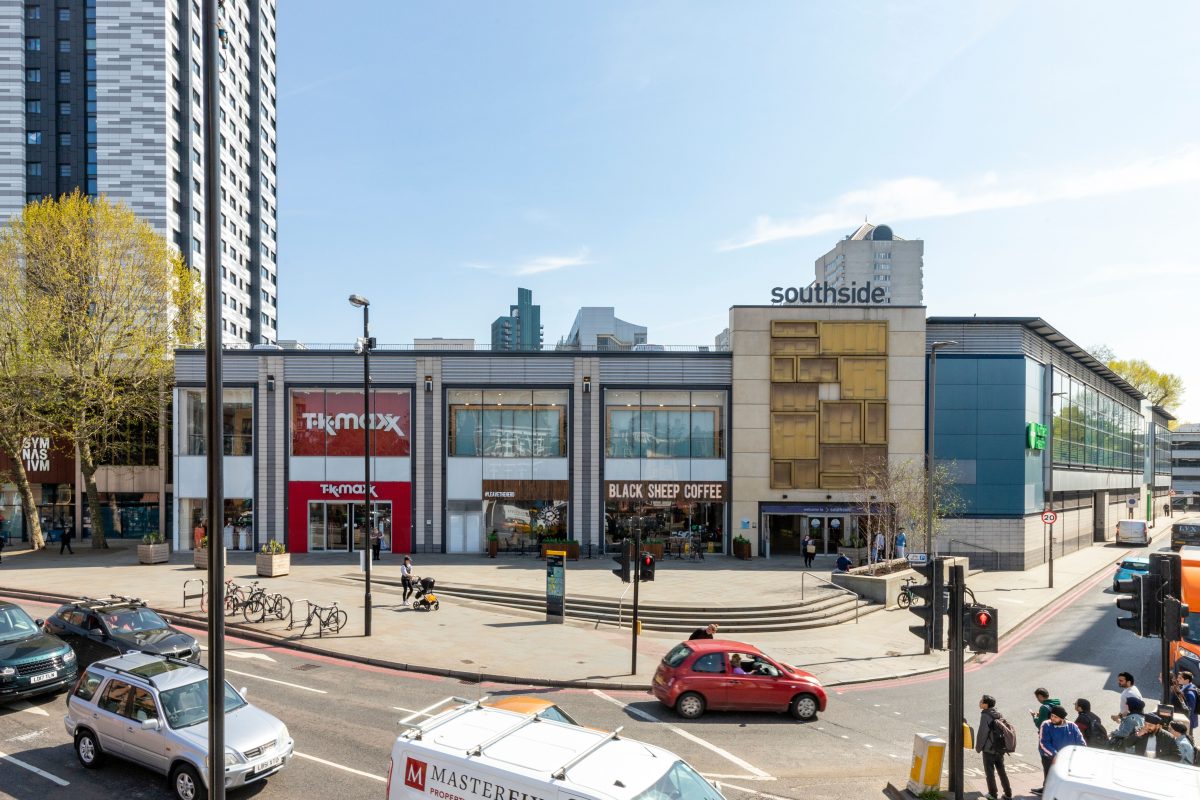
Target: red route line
<point>1010,642</point>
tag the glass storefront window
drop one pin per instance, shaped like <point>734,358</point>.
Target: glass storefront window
<point>665,522</point>
<point>331,526</point>
<point>510,423</point>
<point>1092,429</point>
<point>657,424</point>
<point>194,522</point>
<point>238,438</point>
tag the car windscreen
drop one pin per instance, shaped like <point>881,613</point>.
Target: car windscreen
<point>185,706</point>
<point>1140,566</point>
<point>677,655</point>
<point>133,620</point>
<point>1193,623</point>
<point>556,714</point>
<point>15,624</point>
<point>681,782</point>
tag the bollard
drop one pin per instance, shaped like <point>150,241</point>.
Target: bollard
<point>639,627</point>
<point>926,772</point>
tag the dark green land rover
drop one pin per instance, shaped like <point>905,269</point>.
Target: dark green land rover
<point>31,661</point>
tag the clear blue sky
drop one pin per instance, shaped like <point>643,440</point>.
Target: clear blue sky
<point>674,158</point>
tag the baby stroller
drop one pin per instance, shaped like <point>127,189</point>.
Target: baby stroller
<point>424,598</point>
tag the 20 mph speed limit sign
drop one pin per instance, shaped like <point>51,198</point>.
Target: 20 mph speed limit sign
<point>1049,517</point>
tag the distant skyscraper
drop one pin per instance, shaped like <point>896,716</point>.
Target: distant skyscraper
<point>597,328</point>
<point>105,96</point>
<point>873,254</point>
<point>522,328</point>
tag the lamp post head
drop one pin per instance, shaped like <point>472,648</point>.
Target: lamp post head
<point>934,346</point>
<point>359,300</point>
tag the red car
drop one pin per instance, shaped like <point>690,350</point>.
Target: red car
<point>722,675</point>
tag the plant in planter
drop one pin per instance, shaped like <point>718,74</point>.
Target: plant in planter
<point>153,549</point>
<point>273,559</point>
<point>654,547</point>
<point>200,554</point>
<point>570,545</point>
<point>493,544</point>
<point>741,547</point>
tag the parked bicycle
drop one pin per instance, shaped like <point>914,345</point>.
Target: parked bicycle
<point>259,603</point>
<point>907,595</point>
<point>233,598</point>
<point>326,617</point>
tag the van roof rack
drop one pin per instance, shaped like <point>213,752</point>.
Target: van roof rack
<point>561,773</point>
<point>415,731</point>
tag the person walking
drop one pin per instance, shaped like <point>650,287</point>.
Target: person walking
<point>68,533</point>
<point>989,742</point>
<point>704,633</point>
<point>1089,724</point>
<point>3,541</point>
<point>901,544</point>
<point>1045,703</point>
<point>376,542</point>
<point>1126,684</point>
<point>406,578</point>
<point>1055,734</point>
<point>810,550</point>
<point>880,546</point>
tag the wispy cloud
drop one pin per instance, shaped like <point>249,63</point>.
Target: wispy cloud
<point>318,83</point>
<point>538,265</point>
<point>922,197</point>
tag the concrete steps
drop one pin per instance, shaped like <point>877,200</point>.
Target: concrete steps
<point>820,608</point>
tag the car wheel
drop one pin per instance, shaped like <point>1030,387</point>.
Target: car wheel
<point>803,706</point>
<point>690,705</point>
<point>1115,587</point>
<point>88,749</point>
<point>185,783</point>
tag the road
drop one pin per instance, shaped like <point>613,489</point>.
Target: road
<point>344,717</point>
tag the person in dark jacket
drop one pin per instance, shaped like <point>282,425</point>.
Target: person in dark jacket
<point>705,632</point>
<point>1129,723</point>
<point>1151,740</point>
<point>1089,724</point>
<point>1055,734</point>
<point>1187,749</point>
<point>68,533</point>
<point>991,747</point>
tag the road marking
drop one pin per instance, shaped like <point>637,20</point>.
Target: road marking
<point>410,711</point>
<point>242,654</point>
<point>25,737</point>
<point>737,777</point>
<point>867,745</point>
<point>341,767</point>
<point>897,713</point>
<point>752,791</point>
<point>35,770</point>
<point>30,709</point>
<point>272,680</point>
<point>637,712</point>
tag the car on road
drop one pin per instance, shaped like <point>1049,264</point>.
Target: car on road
<point>718,674</point>
<point>153,711</point>
<point>106,627</point>
<point>1129,567</point>
<point>1184,534</point>
<point>32,662</point>
<point>1133,531</point>
<point>525,704</point>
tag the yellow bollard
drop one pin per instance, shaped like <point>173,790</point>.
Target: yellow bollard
<point>926,772</point>
<point>639,627</point>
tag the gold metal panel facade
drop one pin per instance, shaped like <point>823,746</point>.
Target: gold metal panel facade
<point>863,378</point>
<point>794,397</point>
<point>793,436</point>
<point>854,338</point>
<point>817,370</point>
<point>841,422</point>
<point>784,328</point>
<point>796,347</point>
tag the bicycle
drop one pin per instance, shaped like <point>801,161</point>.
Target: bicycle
<point>907,595</point>
<point>696,548</point>
<point>256,607</point>
<point>233,599</point>
<point>330,617</point>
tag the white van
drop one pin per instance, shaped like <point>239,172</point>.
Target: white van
<point>1133,531</point>
<point>1084,773</point>
<point>477,752</point>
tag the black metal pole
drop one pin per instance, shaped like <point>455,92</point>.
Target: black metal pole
<point>635,561</point>
<point>958,576</point>
<point>368,526</point>
<point>214,399</point>
<point>930,547</point>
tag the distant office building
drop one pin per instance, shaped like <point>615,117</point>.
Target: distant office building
<point>876,256</point>
<point>1185,466</point>
<point>107,97</point>
<point>597,328</point>
<point>522,328</point>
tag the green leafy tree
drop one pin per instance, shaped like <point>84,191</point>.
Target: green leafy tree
<point>1161,388</point>
<point>116,300</point>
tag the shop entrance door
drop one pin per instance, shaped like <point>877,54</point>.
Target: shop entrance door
<point>786,533</point>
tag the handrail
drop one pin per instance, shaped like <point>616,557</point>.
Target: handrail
<point>832,585</point>
<point>995,553</point>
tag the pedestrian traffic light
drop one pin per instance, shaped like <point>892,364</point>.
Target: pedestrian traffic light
<point>981,628</point>
<point>932,606</point>
<point>1174,628</point>
<point>646,568</point>
<point>622,571</point>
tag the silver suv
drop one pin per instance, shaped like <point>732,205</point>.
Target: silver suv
<point>152,710</point>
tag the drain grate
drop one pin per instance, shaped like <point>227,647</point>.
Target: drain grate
<point>306,667</point>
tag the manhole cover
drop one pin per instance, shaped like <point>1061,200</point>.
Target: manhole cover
<point>307,667</point>
<point>467,661</point>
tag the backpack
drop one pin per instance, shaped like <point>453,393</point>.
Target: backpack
<point>1095,735</point>
<point>1004,735</point>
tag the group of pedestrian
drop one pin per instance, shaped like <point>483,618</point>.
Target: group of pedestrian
<point>1160,735</point>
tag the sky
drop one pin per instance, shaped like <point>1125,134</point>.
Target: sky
<point>672,159</point>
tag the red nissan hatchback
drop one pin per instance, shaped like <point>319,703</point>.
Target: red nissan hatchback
<point>722,675</point>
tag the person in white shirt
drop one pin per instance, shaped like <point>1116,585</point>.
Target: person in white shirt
<point>1128,690</point>
<point>880,546</point>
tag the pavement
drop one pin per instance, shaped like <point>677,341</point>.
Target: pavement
<point>475,640</point>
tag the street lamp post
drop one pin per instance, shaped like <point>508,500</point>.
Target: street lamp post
<point>929,460</point>
<point>365,305</point>
<point>1050,481</point>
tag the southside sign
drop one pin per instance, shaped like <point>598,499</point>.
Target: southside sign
<point>824,294</point>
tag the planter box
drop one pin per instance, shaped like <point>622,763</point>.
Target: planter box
<point>200,558</point>
<point>493,547</point>
<point>572,549</point>
<point>741,550</point>
<point>154,553</point>
<point>857,555</point>
<point>270,565</point>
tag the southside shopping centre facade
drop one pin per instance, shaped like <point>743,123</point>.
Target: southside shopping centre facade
<point>769,440</point>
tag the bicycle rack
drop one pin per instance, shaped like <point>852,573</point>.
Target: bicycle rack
<point>308,609</point>
<point>186,596</point>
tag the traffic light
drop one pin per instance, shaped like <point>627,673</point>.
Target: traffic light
<point>933,606</point>
<point>622,571</point>
<point>1174,628</point>
<point>981,628</point>
<point>646,568</point>
<point>1143,605</point>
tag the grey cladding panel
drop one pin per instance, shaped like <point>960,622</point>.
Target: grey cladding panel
<point>513,371</point>
<point>671,371</point>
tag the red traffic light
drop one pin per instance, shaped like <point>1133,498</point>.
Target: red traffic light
<point>983,619</point>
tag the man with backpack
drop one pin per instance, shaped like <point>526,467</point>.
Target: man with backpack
<point>995,737</point>
<point>1090,725</point>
